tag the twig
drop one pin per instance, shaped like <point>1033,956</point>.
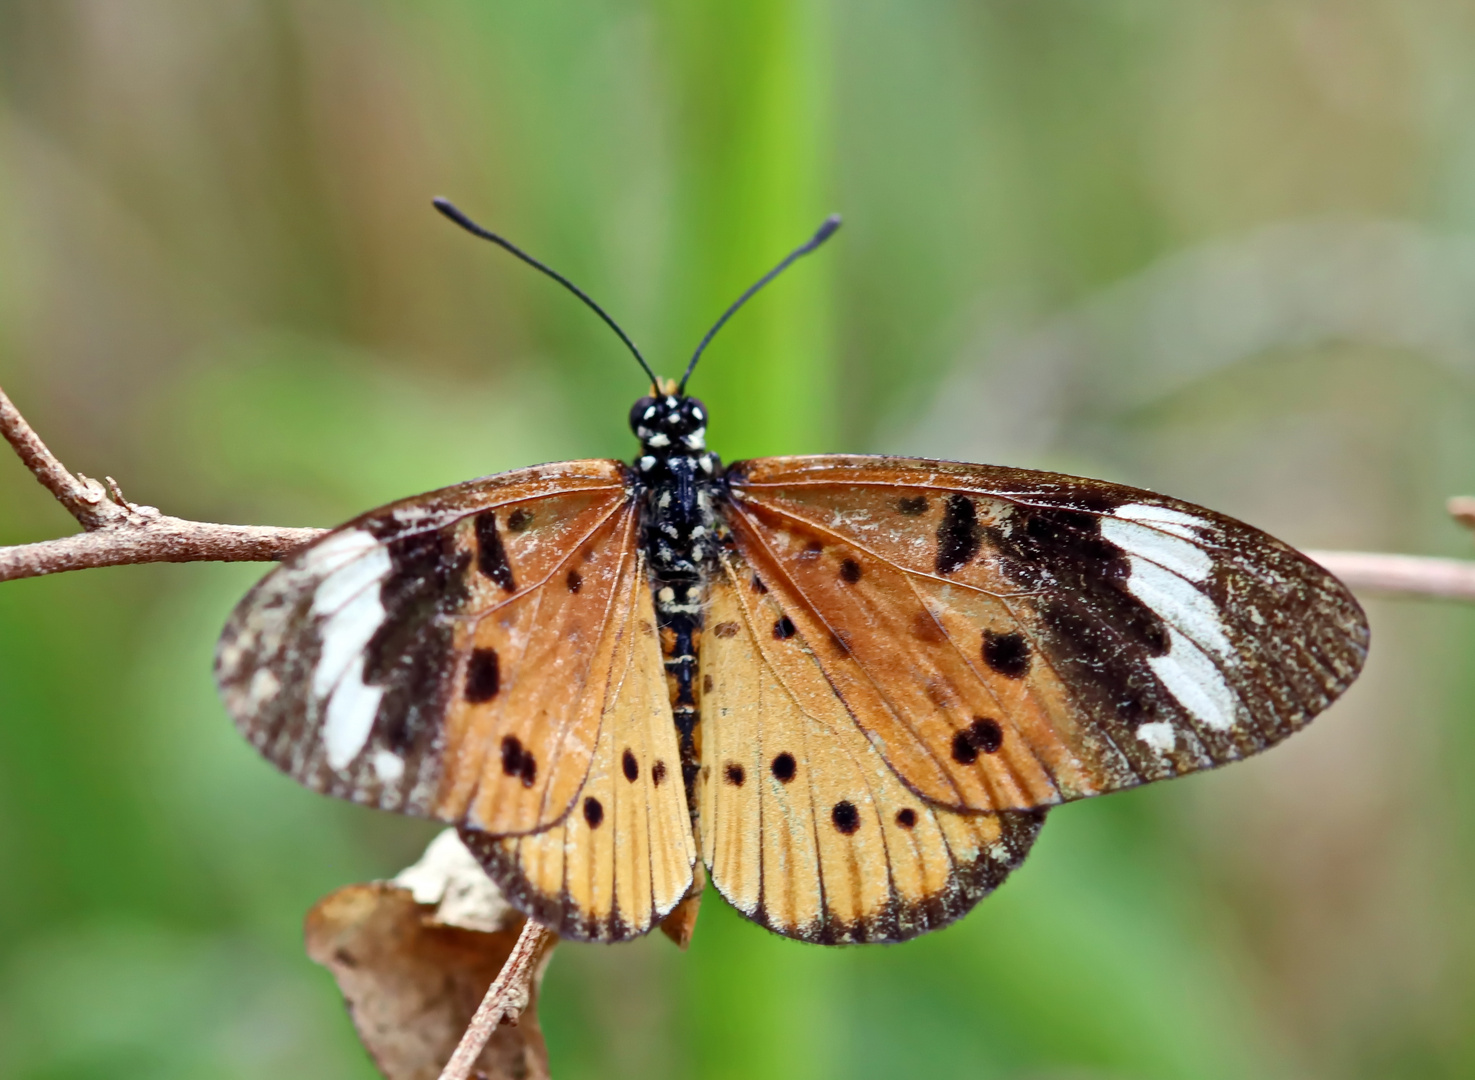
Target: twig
<point>1452,579</point>
<point>119,532</point>
<point>506,998</point>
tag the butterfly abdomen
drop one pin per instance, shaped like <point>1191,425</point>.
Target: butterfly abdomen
<point>678,484</point>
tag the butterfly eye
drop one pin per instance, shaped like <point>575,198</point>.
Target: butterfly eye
<point>638,412</point>
<point>696,410</point>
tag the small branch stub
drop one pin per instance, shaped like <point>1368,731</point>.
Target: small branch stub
<point>1462,509</point>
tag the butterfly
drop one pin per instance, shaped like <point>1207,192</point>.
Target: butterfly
<point>846,687</point>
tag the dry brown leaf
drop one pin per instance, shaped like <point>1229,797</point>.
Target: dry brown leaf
<point>412,982</point>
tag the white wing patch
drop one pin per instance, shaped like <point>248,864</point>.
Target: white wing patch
<point>355,563</point>
<point>1195,681</point>
<point>1162,517</point>
<point>1165,566</point>
<point>1178,602</point>
<point>338,550</point>
<point>388,766</point>
<point>1159,736</point>
<point>1169,551</point>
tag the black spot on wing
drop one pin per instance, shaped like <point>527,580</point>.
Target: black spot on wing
<point>850,571</point>
<point>958,534</point>
<point>784,629</point>
<point>658,773</point>
<point>483,676</point>
<point>982,736</point>
<point>1008,654</point>
<point>630,766</point>
<point>734,774</point>
<point>784,767</point>
<point>912,506</point>
<point>491,557</point>
<point>511,755</point>
<point>519,519</point>
<point>593,812</point>
<point>845,816</point>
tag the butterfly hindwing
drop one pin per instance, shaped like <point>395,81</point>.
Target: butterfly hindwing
<point>622,858</point>
<point>405,659</point>
<point>1012,639</point>
<point>805,829</point>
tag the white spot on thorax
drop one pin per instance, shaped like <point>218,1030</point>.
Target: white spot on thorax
<point>666,595</point>
<point>697,440</point>
<point>658,440</point>
<point>647,463</point>
<point>1159,736</point>
<point>665,500</point>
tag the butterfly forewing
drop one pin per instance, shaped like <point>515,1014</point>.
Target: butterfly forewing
<point>393,661</point>
<point>623,857</point>
<point>804,827</point>
<point>1010,639</point>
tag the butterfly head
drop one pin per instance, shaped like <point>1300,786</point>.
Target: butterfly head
<point>669,424</point>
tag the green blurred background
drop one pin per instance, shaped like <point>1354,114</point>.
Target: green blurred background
<point>1223,250</point>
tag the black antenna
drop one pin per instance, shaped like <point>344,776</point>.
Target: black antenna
<point>446,207</point>
<point>824,232</point>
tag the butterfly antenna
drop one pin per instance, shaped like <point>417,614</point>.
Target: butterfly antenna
<point>824,232</point>
<point>448,208</point>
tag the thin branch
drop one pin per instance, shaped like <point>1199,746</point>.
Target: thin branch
<point>86,500</point>
<point>119,532</point>
<point>158,539</point>
<point>506,998</point>
<point>1452,579</point>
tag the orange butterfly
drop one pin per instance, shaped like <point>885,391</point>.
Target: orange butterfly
<point>848,687</point>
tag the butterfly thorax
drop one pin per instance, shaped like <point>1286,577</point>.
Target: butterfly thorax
<point>677,482</point>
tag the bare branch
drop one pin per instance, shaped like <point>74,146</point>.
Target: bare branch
<point>1452,579</point>
<point>159,539</point>
<point>119,532</point>
<point>505,1000</point>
